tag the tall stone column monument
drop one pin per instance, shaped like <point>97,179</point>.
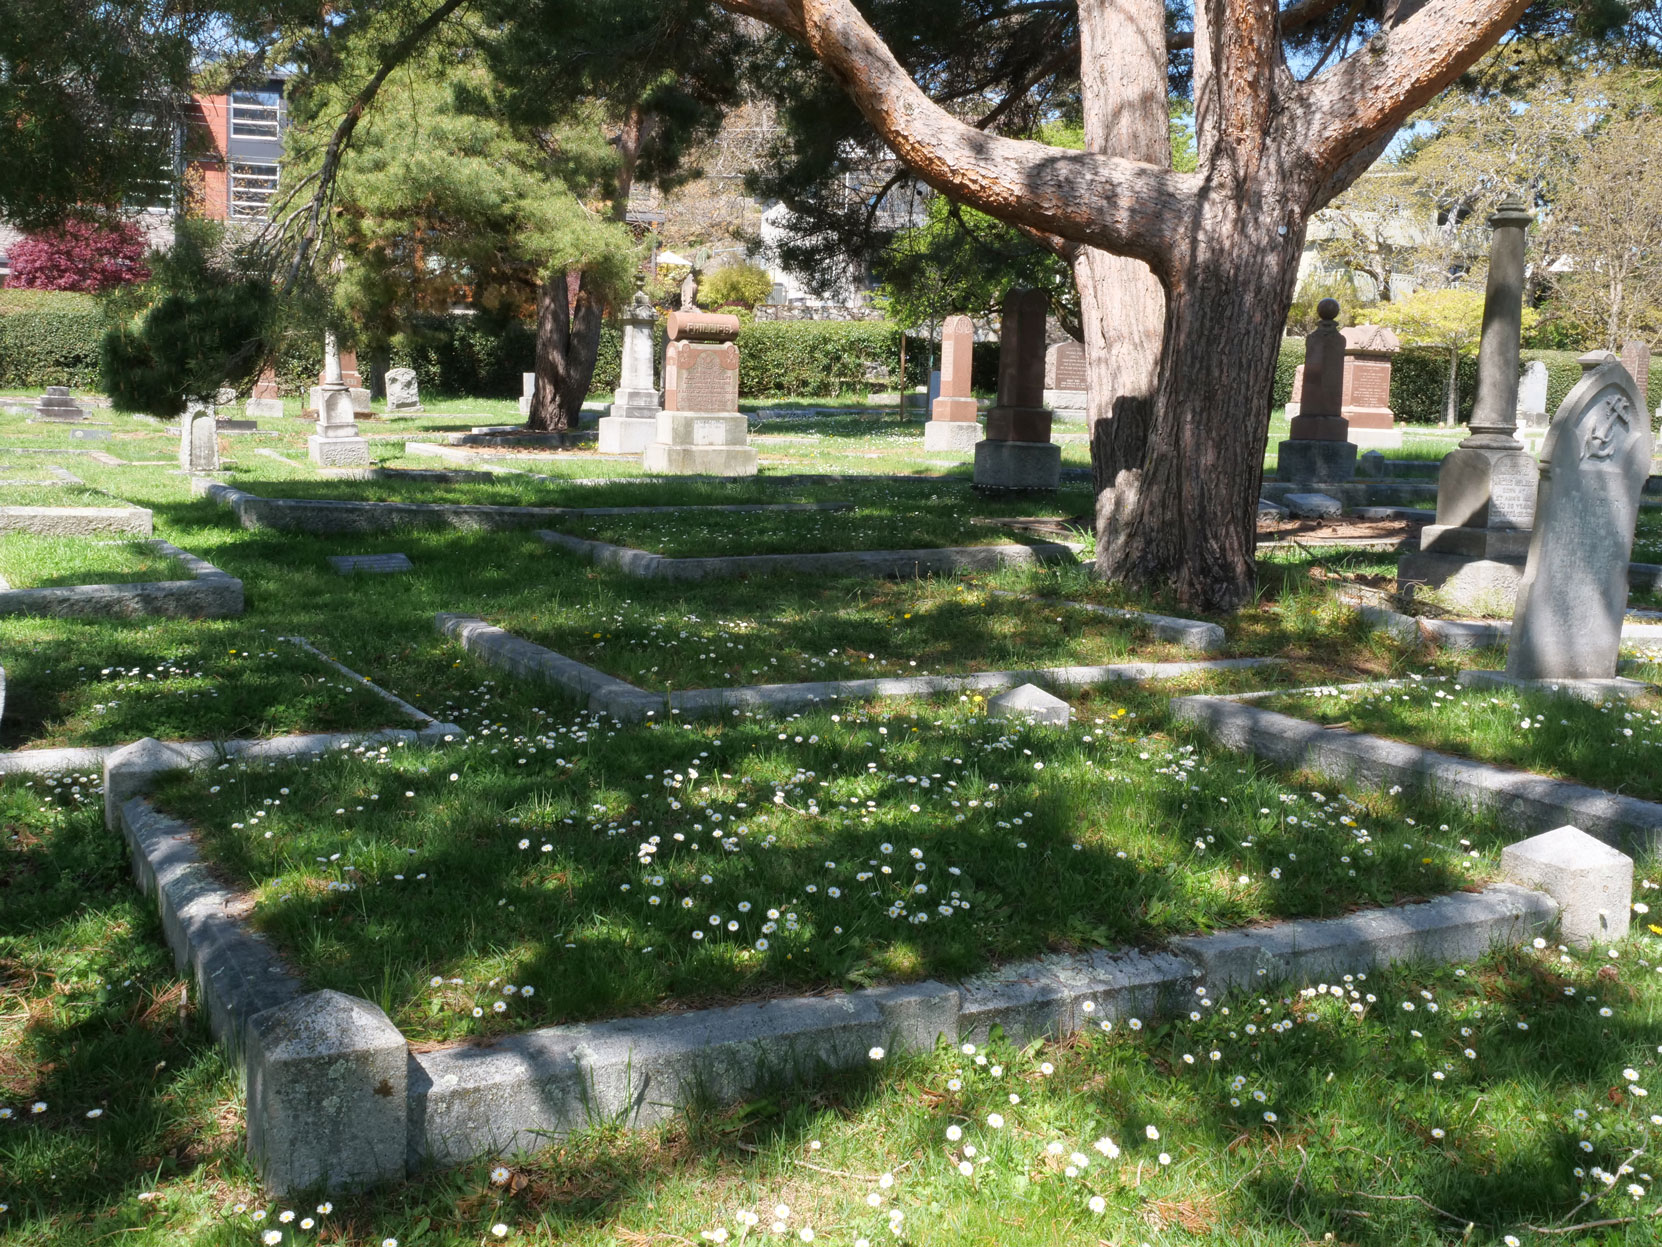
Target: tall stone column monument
<point>336,444</point>
<point>701,431</point>
<point>954,423</point>
<point>1474,554</point>
<point>632,420</point>
<point>1017,452</point>
<point>1318,449</point>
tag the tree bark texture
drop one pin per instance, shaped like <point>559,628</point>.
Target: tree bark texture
<point>1223,243</point>
<point>568,342</point>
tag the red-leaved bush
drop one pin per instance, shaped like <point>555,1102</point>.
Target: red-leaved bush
<point>78,255</point>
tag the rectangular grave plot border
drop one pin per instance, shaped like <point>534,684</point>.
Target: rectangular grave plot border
<point>1531,802</point>
<point>208,594</point>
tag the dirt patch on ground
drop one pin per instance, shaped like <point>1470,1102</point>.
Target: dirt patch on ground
<point>1340,529</point>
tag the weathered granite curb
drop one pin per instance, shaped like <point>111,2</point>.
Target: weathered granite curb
<point>209,594</point>
<point>874,563</point>
<point>1465,634</point>
<point>84,760</point>
<point>1529,801</point>
<point>627,703</point>
<point>1195,634</point>
<point>321,515</point>
<point>395,1112</point>
<point>76,521</point>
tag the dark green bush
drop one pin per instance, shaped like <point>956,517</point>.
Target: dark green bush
<point>49,337</point>
<point>781,359</point>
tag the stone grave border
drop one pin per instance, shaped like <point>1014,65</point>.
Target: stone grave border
<point>399,1112</point>
<point>1529,801</point>
<point>76,521</point>
<point>901,564</point>
<point>1195,634</point>
<point>1464,634</point>
<point>324,516</point>
<point>628,704</point>
<point>209,594</point>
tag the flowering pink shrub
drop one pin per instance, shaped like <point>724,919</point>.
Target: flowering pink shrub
<point>79,255</point>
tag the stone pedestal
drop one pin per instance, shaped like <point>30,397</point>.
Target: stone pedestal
<point>632,420</point>
<point>359,398</point>
<point>951,436</point>
<point>1018,465</point>
<point>1315,461</point>
<point>700,443</point>
<point>338,452</point>
<point>57,407</point>
<point>336,443</point>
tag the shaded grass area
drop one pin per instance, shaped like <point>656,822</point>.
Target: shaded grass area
<point>1412,1104</point>
<point>1615,746</point>
<point>616,870</point>
<point>29,561</point>
<point>788,630</point>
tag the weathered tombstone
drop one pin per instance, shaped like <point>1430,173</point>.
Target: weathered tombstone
<point>1532,395</point>
<point>336,444</point>
<point>1367,388</point>
<point>528,391</point>
<point>1636,359</point>
<point>1318,449</point>
<point>57,407</point>
<point>267,399</point>
<point>403,394</point>
<point>198,439</point>
<point>1065,379</point>
<point>1298,389</point>
<point>631,422</point>
<point>349,377</point>
<point>1474,554</point>
<point>701,430</point>
<point>953,421</point>
<point>1017,452</point>
<point>1568,623</point>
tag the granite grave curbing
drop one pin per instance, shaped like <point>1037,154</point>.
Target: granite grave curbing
<point>209,594</point>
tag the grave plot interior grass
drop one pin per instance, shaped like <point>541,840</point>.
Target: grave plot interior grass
<point>28,561</point>
<point>66,495</point>
<point>615,870</point>
<point>1542,1058</point>
<point>1615,746</point>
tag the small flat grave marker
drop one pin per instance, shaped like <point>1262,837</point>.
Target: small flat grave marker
<point>1029,701</point>
<point>381,564</point>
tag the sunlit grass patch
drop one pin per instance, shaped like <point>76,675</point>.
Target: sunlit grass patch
<point>28,561</point>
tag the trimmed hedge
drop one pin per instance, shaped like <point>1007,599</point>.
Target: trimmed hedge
<point>50,337</point>
<point>778,359</point>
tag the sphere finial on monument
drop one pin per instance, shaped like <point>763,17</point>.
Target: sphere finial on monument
<point>1328,309</point>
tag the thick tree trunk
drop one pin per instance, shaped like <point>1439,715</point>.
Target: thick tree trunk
<point>568,340</point>
<point>1188,521</point>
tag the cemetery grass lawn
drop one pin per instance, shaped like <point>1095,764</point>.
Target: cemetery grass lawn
<point>65,495</point>
<point>517,859</point>
<point>1615,746</point>
<point>1647,540</point>
<point>784,630</point>
<point>28,561</point>
<point>1297,1118</point>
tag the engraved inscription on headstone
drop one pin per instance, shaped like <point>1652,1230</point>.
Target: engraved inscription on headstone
<point>1065,367</point>
<point>1512,492</point>
<point>707,381</point>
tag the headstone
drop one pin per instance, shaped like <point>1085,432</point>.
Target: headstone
<point>375,564</point>
<point>1474,554</point>
<point>1065,384</point>
<point>1293,405</point>
<point>952,415</point>
<point>1313,506</point>
<point>1017,452</point>
<point>199,439</point>
<point>1268,510</point>
<point>1568,624</point>
<point>1636,359</point>
<point>528,391</point>
<point>336,444</point>
<point>701,430</point>
<point>1318,449</point>
<point>631,422</point>
<point>1367,385</point>
<point>267,398</point>
<point>1372,463</point>
<point>349,377</point>
<point>1532,395</point>
<point>57,407</point>
<point>1592,882</point>
<point>1032,703</point>
<point>403,394</point>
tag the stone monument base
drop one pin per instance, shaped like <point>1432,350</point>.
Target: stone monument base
<point>338,452</point>
<point>1310,461</point>
<point>1067,404</point>
<point>958,436</point>
<point>1615,688</point>
<point>266,408</point>
<point>701,443</point>
<point>1376,439</point>
<point>360,400</point>
<point>1018,465</point>
<point>626,435</point>
<point>1477,586</point>
<point>69,416</point>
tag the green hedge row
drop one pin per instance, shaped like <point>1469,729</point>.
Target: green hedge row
<point>49,337</point>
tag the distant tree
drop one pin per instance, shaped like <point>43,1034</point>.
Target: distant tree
<point>79,255</point>
<point>1450,320</point>
<point>1302,318</point>
<point>735,285</point>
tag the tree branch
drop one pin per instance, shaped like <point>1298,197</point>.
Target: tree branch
<point>1295,16</point>
<point>782,15</point>
<point>390,60</point>
<point>1375,89</point>
<point>1119,205</point>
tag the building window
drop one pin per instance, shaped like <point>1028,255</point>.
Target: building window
<point>252,189</point>
<point>256,115</point>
